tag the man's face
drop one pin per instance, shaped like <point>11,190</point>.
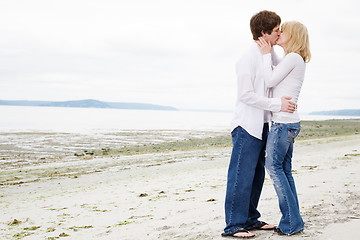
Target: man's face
<point>273,37</point>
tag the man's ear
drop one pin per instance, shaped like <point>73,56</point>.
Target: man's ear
<point>262,34</point>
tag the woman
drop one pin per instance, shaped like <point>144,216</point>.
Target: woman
<point>285,80</point>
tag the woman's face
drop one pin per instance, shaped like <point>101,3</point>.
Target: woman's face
<point>283,39</point>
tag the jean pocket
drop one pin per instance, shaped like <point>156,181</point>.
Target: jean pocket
<point>293,132</point>
<point>276,126</point>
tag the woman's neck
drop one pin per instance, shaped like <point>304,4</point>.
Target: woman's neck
<point>286,52</point>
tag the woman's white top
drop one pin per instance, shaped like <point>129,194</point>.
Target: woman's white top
<point>285,79</point>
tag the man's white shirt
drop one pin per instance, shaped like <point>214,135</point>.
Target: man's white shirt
<point>252,104</point>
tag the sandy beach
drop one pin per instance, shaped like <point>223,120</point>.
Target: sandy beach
<point>167,194</point>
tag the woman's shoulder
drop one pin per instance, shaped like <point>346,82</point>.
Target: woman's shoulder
<point>295,58</point>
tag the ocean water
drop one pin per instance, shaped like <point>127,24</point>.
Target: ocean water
<point>79,120</point>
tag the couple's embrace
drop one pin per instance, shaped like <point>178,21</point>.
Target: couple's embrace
<point>267,92</point>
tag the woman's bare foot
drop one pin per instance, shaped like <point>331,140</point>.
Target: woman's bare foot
<point>261,226</point>
<point>267,227</point>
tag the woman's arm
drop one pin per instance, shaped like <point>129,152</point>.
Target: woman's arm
<point>274,76</point>
<point>275,58</point>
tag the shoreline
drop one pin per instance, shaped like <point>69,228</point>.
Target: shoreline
<point>173,194</point>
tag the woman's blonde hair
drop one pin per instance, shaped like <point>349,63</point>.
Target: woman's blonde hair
<point>298,41</point>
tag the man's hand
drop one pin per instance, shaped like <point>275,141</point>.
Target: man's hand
<point>287,105</point>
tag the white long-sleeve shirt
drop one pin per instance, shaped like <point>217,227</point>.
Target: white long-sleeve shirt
<point>252,104</point>
<point>285,79</point>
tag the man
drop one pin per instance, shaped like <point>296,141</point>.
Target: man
<point>250,128</point>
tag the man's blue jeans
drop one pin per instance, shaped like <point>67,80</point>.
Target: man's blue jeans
<point>245,179</point>
<point>279,151</point>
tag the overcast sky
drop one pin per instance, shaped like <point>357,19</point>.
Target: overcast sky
<point>180,53</point>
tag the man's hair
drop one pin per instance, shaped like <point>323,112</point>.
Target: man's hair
<point>264,21</point>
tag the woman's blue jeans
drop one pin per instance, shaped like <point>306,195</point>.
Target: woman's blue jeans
<point>245,179</point>
<point>279,151</point>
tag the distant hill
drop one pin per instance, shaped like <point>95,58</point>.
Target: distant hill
<point>343,112</point>
<point>88,103</point>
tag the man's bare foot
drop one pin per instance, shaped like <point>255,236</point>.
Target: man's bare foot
<point>241,233</point>
<point>244,235</point>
